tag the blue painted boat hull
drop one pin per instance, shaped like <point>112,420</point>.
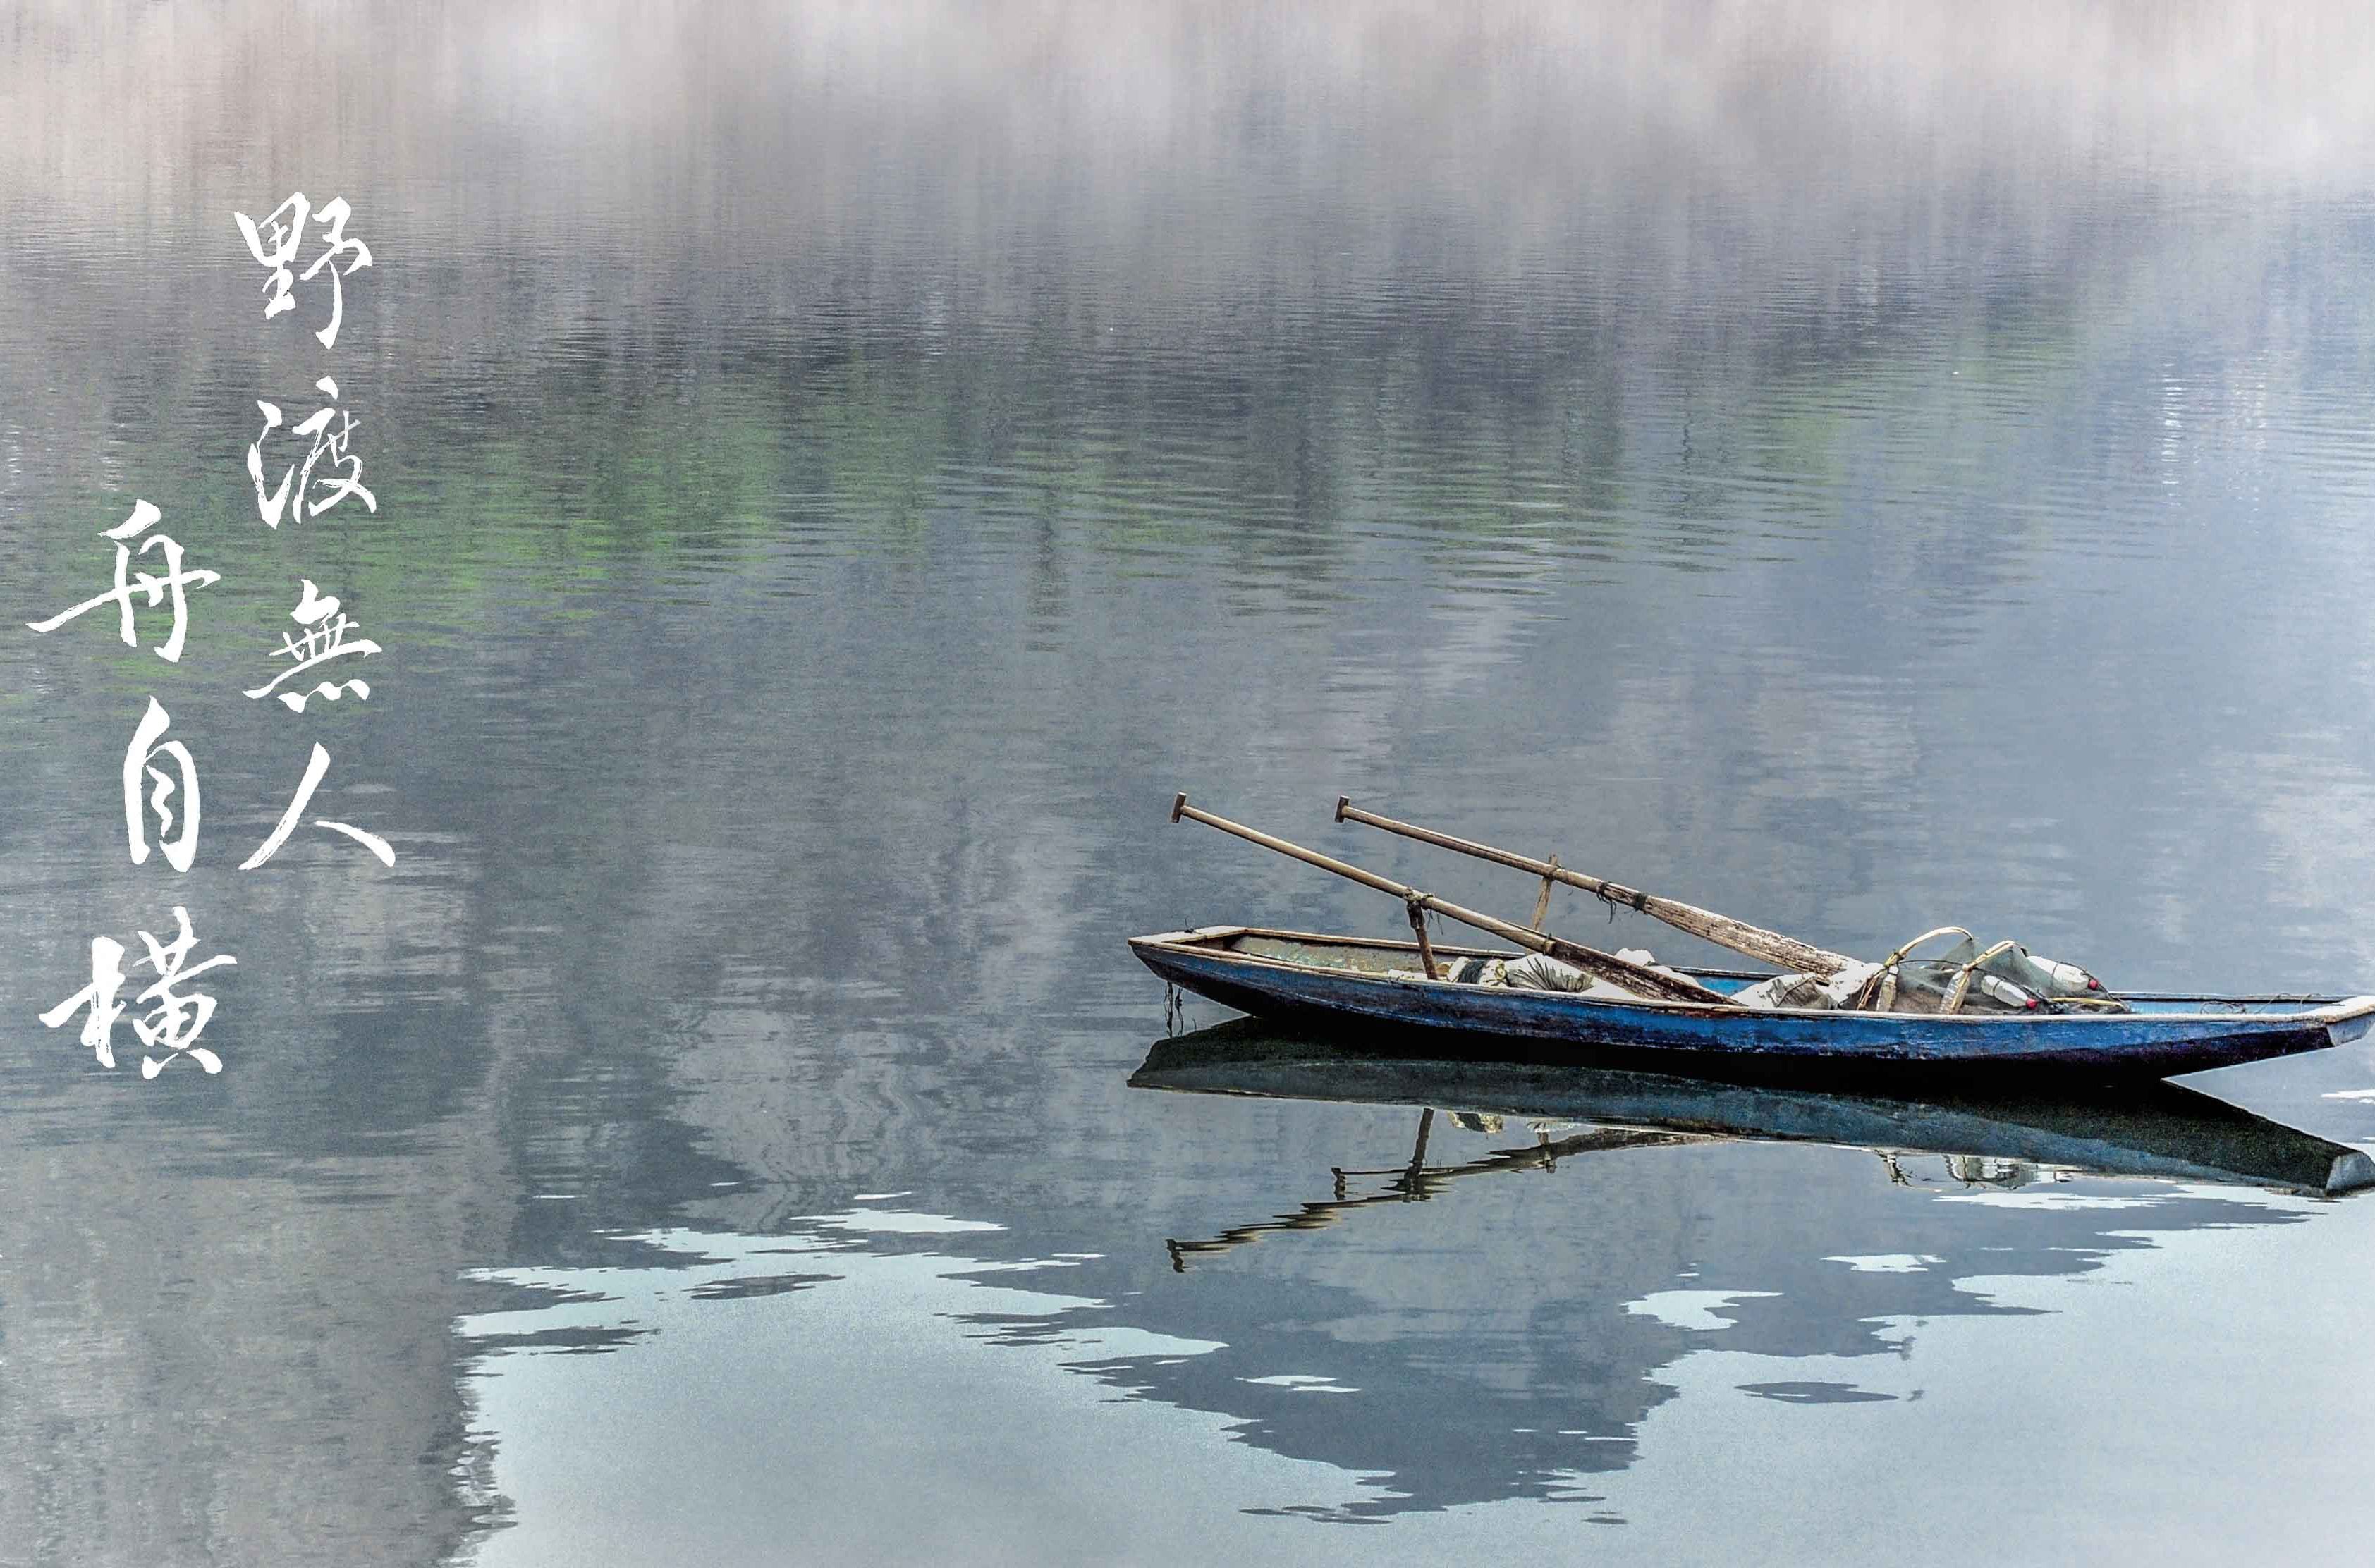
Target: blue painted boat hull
<point>1340,983</point>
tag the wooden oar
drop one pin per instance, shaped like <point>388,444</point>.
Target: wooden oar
<point>1591,961</point>
<point>1768,947</point>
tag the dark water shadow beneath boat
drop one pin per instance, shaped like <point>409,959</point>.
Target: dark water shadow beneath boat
<point>2154,1130</point>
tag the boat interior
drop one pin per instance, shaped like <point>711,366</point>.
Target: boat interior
<point>1380,956</point>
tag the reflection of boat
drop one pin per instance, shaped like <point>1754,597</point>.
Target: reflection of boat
<point>2152,1130</point>
<point>1350,981</point>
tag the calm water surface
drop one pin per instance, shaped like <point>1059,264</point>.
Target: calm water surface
<point>839,472</point>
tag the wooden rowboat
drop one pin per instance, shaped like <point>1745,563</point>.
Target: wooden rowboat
<point>1343,982</point>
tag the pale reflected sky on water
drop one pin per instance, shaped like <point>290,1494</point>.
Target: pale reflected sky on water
<point>843,468</point>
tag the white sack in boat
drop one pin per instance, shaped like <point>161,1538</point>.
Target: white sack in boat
<point>1540,971</point>
<point>1808,990</point>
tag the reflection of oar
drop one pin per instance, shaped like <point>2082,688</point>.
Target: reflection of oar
<point>1633,976</point>
<point>1769,946</point>
<point>1416,1182</point>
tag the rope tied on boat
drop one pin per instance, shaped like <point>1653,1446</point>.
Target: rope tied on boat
<point>1630,898</point>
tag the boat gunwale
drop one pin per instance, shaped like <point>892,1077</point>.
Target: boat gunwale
<point>1205,939</point>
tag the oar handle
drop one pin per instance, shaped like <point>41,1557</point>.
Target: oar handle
<point>1179,808</point>
<point>1348,812</point>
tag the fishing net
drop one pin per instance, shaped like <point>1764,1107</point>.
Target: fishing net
<point>1963,978</point>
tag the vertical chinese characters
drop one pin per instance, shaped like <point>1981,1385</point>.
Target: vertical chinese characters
<point>331,472</point>
<point>324,639</point>
<point>160,774</point>
<point>175,1021</point>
